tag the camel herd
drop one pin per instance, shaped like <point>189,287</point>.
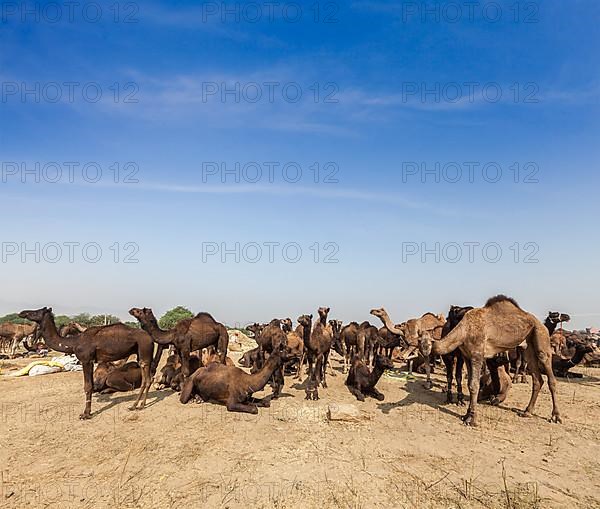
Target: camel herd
<point>490,340</point>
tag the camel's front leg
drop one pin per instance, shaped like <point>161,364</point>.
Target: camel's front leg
<point>88,386</point>
<point>376,394</point>
<point>449,363</point>
<point>184,354</point>
<point>474,366</point>
<point>428,383</point>
<point>356,391</point>
<point>460,361</point>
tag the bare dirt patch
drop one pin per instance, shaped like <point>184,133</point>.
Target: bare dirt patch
<point>410,451</point>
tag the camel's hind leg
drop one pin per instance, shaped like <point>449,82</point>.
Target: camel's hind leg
<point>539,359</point>
<point>140,402</point>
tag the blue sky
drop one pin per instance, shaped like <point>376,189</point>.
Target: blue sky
<point>370,67</point>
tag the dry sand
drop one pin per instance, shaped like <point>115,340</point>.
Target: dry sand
<point>410,451</point>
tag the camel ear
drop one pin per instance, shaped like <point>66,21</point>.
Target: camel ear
<point>310,316</point>
<point>49,310</point>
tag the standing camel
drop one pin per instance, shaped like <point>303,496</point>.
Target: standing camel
<point>98,344</point>
<point>14,333</point>
<point>499,326</point>
<point>317,343</point>
<point>187,336</point>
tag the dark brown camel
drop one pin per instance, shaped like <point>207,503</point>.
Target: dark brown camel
<point>494,391</point>
<point>98,344</point>
<point>454,360</point>
<point>499,326</point>
<point>361,381</point>
<point>317,344</point>
<point>272,338</point>
<point>231,386</point>
<point>110,377</point>
<point>189,335</point>
<point>562,366</point>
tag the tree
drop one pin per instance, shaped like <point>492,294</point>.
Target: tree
<point>174,316</point>
<point>104,320</point>
<point>13,318</point>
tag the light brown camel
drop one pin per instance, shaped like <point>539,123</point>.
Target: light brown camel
<point>11,334</point>
<point>412,330</point>
<point>230,385</point>
<point>98,344</point>
<point>187,336</point>
<point>499,326</point>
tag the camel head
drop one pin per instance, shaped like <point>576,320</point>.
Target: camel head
<point>336,327</point>
<point>379,313</point>
<point>425,343</point>
<point>256,329</point>
<point>305,320</point>
<point>323,312</point>
<point>286,324</point>
<point>384,361</point>
<point>144,314</point>
<point>36,315</point>
<point>101,373</point>
<point>556,317</point>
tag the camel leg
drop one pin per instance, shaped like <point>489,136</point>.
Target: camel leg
<point>517,368</point>
<point>279,381</point>
<point>354,390</point>
<point>299,371</point>
<point>88,386</point>
<point>537,380</point>
<point>460,362</point>
<point>311,386</point>
<point>376,394</point>
<point>146,381</point>
<point>223,344</point>
<point>449,363</point>
<point>157,357</point>
<point>428,383</point>
<point>325,362</point>
<point>234,406</point>
<point>117,384</point>
<point>184,355</point>
<point>474,366</point>
<point>545,360</point>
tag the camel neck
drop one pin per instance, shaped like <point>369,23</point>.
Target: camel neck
<point>550,325</point>
<point>378,370</point>
<point>578,357</point>
<point>53,338</point>
<point>159,335</point>
<point>260,379</point>
<point>306,331</point>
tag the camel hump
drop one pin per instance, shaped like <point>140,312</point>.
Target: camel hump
<point>206,316</point>
<point>501,298</point>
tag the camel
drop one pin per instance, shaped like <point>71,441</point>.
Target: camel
<point>187,336</point>
<point>411,331</point>
<point>171,372</point>
<point>454,360</point>
<point>209,355</point>
<point>272,338</point>
<point>387,342</point>
<point>357,340</point>
<point>317,343</point>
<point>337,344</point>
<point>517,356</point>
<point>484,332</point>
<point>561,366</point>
<point>70,329</point>
<point>494,391</point>
<point>110,377</point>
<point>369,336</point>
<point>13,333</point>
<point>98,344</point>
<point>250,359</point>
<point>230,385</point>
<point>361,382</point>
<point>295,345</point>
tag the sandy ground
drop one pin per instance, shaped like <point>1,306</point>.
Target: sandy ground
<point>410,451</point>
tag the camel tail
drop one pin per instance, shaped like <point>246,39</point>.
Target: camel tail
<point>451,341</point>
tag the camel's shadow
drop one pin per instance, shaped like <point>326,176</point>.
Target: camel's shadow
<point>154,397</point>
<point>418,393</point>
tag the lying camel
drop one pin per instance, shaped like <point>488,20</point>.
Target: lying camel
<point>230,385</point>
<point>112,377</point>
<point>562,366</point>
<point>361,381</point>
<point>210,355</point>
<point>487,391</point>
<point>251,359</point>
<point>172,372</point>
